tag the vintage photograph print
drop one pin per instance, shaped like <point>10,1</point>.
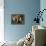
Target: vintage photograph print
<point>17,19</point>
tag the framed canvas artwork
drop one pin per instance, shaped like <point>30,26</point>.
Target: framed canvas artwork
<point>17,19</point>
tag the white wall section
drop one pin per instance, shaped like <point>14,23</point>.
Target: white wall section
<point>1,20</point>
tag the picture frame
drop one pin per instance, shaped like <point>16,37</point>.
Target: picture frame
<point>17,19</point>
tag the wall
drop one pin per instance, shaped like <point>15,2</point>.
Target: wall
<point>26,7</point>
<point>1,21</point>
<point>43,6</point>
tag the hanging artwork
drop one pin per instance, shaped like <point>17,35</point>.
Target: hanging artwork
<point>17,19</point>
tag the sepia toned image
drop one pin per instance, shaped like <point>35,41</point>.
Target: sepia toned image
<point>17,19</point>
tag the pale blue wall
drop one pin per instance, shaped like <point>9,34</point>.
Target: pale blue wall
<point>26,7</point>
<point>43,6</point>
